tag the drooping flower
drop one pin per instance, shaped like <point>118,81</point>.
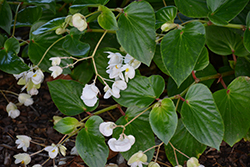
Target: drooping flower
<point>138,159</point>
<point>23,141</point>
<point>37,165</point>
<point>55,61</point>
<point>79,21</point>
<point>168,26</point>
<point>153,164</point>
<point>193,162</point>
<point>22,158</point>
<point>132,61</point>
<point>33,91</point>
<point>25,99</point>
<point>52,150</point>
<point>129,72</point>
<point>115,72</point>
<point>106,128</point>
<point>74,151</point>
<point>117,86</point>
<point>56,71</point>
<point>62,149</point>
<point>114,59</point>
<point>89,94</point>
<point>37,77</point>
<point>12,110</point>
<point>123,144</point>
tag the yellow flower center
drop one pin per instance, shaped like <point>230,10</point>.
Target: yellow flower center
<point>127,69</point>
<point>22,162</point>
<point>34,75</point>
<point>116,67</point>
<point>53,150</point>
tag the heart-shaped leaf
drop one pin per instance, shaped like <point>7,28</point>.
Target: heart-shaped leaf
<point>203,60</point>
<point>6,16</point>
<point>66,96</point>
<point>12,44</point>
<point>184,141</point>
<point>181,60</point>
<point>83,72</point>
<point>136,32</point>
<point>141,91</point>
<point>165,14</point>
<point>163,120</point>
<point>201,116</point>
<point>102,2</point>
<point>233,104</point>
<point>107,19</point>
<point>140,129</point>
<point>66,125</point>
<point>90,143</point>
<point>242,67</point>
<point>247,33</point>
<point>28,16</point>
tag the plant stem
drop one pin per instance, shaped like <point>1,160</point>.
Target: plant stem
<point>7,91</point>
<point>4,96</point>
<point>92,13</point>
<point>158,150</point>
<point>49,49</point>
<point>36,152</point>
<point>178,150</point>
<point>164,3</point>
<point>101,30</point>
<point>14,26</point>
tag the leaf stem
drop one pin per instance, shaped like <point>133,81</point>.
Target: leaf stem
<point>14,26</point>
<point>178,150</point>
<point>7,91</point>
<point>101,30</point>
<point>158,150</point>
<point>4,96</point>
<point>92,13</point>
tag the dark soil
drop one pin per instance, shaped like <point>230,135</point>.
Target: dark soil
<point>36,122</point>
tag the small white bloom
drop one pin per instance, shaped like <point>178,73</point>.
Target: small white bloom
<point>111,165</point>
<point>138,159</point>
<point>55,61</point>
<point>52,150</point>
<point>56,71</point>
<point>22,158</point>
<point>115,58</point>
<point>123,144</point>
<point>33,91</point>
<point>79,21</point>
<point>115,72</point>
<point>179,166</point>
<point>153,164</point>
<point>23,141</point>
<point>37,165</point>
<point>60,31</point>
<point>17,76</point>
<point>132,61</point>
<point>108,92</point>
<point>25,99</point>
<point>12,110</point>
<point>106,128</point>
<point>89,94</point>
<point>168,26</point>
<point>62,149</point>
<point>117,86</point>
<point>37,77</point>
<point>74,151</point>
<point>62,161</point>
<point>129,71</point>
<point>193,162</point>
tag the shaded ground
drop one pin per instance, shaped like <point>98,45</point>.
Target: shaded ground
<point>36,122</point>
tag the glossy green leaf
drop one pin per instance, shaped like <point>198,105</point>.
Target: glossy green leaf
<point>192,8</point>
<point>136,32</point>
<point>246,39</point>
<point>222,11</point>
<point>28,16</point>
<point>6,16</point>
<point>202,61</point>
<point>102,2</point>
<point>201,116</point>
<point>12,44</point>
<point>2,40</point>
<point>66,125</point>
<point>184,141</point>
<point>165,14</point>
<point>141,91</point>
<point>223,41</point>
<point>66,96</point>
<point>47,4</point>
<point>158,60</point>
<point>163,120</point>
<point>75,47</point>
<point>233,104</point>
<point>83,72</point>
<point>242,67</point>
<point>90,143</point>
<point>248,20</point>
<point>140,129</point>
<point>107,19</point>
<point>180,61</point>
<point>50,26</point>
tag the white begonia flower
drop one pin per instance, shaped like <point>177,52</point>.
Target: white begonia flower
<point>138,159</point>
<point>33,91</point>
<point>115,72</point>
<point>168,26</point>
<point>106,128</point>
<point>108,92</point>
<point>12,110</point>
<point>25,99</point>
<point>153,164</point>
<point>129,72</point>
<point>89,94</point>
<point>17,76</point>
<point>62,149</point>
<point>55,61</point>
<point>23,141</point>
<point>22,158</point>
<point>52,150</point>
<point>37,77</point>
<point>62,161</point>
<point>132,61</point>
<point>117,86</point>
<point>115,58</point>
<point>37,165</point>
<point>74,151</point>
<point>56,71</point>
<point>193,162</point>
<point>79,21</point>
<point>60,31</point>
<point>123,144</point>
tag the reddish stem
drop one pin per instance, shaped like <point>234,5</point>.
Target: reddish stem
<point>222,82</point>
<point>234,57</point>
<point>195,78</point>
<point>120,109</point>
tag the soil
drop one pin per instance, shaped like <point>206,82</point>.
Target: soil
<point>36,121</point>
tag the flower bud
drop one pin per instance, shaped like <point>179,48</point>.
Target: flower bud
<point>79,21</point>
<point>153,164</point>
<point>168,26</point>
<point>193,162</point>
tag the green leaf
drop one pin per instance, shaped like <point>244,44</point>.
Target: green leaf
<point>201,116</point>
<point>83,72</point>
<point>75,47</point>
<point>163,120</point>
<point>141,91</point>
<point>90,143</point>
<point>222,11</point>
<point>107,18</point>
<point>136,32</point>
<point>165,14</point>
<point>246,39</point>
<point>184,141</point>
<point>181,60</point>
<point>248,20</point>
<point>48,4</point>
<point>50,26</point>
<point>66,125</point>
<point>140,129</point>
<point>11,63</point>
<point>102,2</point>
<point>203,60</point>
<point>28,15</point>
<point>192,8</point>
<point>158,60</point>
<point>233,104</point>
<point>6,16</point>
<point>242,67</point>
<point>12,44</point>
<point>2,40</point>
<point>66,96</point>
<point>223,41</point>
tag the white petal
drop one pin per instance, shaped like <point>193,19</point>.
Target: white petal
<point>111,144</point>
<point>13,113</point>
<point>23,141</point>
<point>74,151</point>
<point>90,102</point>
<point>22,157</point>
<point>37,77</point>
<point>33,91</point>
<point>120,145</point>
<point>37,165</point>
<point>131,139</point>
<point>11,106</point>
<point>120,84</point>
<point>55,61</point>
<point>56,71</point>
<point>89,91</point>
<point>106,128</point>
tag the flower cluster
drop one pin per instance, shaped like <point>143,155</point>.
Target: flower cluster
<point>55,68</point>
